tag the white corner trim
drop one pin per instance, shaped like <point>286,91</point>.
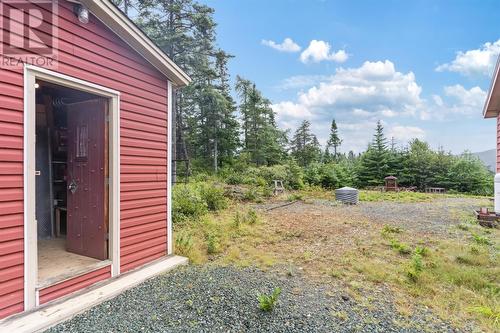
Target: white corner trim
<point>31,74</point>
<point>170,237</point>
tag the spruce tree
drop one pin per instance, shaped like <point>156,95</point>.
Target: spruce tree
<point>374,165</point>
<point>334,140</point>
<point>304,145</point>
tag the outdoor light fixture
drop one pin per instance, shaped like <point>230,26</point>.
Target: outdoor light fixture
<point>82,13</point>
<point>37,85</point>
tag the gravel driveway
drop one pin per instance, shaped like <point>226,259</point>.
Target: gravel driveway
<point>224,299</point>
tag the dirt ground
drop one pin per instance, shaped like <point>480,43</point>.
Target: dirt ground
<point>373,244</point>
<point>383,266</point>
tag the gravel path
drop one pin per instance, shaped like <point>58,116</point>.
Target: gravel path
<point>438,217</point>
<point>217,299</point>
<point>434,217</point>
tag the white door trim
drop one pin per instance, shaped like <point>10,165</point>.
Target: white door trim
<point>170,96</point>
<point>31,74</point>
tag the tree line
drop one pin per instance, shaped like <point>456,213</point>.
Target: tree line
<point>220,122</point>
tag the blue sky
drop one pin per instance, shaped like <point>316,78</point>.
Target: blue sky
<point>422,67</point>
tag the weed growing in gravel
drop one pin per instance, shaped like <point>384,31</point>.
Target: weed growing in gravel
<point>388,230</point>
<point>402,248</point>
<point>340,315</point>
<point>268,302</point>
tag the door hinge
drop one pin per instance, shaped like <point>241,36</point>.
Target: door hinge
<point>107,236</point>
<point>107,118</point>
<point>107,180</point>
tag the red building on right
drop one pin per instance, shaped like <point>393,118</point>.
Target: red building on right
<point>492,110</point>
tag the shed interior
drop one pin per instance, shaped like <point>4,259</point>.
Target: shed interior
<point>55,262</point>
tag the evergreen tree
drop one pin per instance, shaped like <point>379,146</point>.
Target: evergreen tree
<point>418,164</point>
<point>374,165</point>
<point>304,145</point>
<point>263,140</point>
<point>206,125</point>
<point>334,139</point>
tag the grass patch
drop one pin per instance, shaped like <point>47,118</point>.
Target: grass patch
<point>388,231</point>
<point>481,240</point>
<point>401,248</point>
<point>374,196</point>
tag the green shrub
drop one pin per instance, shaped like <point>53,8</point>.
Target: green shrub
<point>213,244</point>
<point>481,240</point>
<point>183,242</point>
<point>268,302</point>
<point>251,194</point>
<point>213,195</point>
<point>187,204</point>
<point>295,197</point>
<point>415,268</point>
<point>251,217</point>
<point>422,250</point>
<point>402,248</point>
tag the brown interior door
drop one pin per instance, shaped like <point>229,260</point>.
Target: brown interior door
<point>86,182</point>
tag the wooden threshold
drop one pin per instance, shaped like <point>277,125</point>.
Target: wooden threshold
<point>65,277</point>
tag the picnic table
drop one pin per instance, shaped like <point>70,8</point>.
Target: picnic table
<point>440,190</point>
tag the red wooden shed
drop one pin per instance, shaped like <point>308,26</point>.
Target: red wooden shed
<point>492,110</point>
<point>85,110</point>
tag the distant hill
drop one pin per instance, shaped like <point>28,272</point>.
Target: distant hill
<point>488,157</point>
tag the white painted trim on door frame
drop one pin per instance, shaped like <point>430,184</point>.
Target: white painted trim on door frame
<point>31,74</point>
<point>170,237</point>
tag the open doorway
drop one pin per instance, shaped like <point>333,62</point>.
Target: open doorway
<point>72,182</point>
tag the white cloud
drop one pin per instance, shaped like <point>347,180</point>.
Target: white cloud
<point>406,133</point>
<point>301,81</point>
<point>288,45</point>
<point>319,50</point>
<point>375,86</point>
<point>473,62</point>
<point>376,90</point>
<point>466,102</point>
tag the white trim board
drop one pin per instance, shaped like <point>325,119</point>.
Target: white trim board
<point>66,308</point>
<point>170,101</point>
<point>31,74</point>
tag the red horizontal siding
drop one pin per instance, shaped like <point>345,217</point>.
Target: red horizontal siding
<point>140,221</point>
<point>69,286</point>
<point>91,52</point>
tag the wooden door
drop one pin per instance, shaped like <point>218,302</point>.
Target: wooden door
<point>86,182</point>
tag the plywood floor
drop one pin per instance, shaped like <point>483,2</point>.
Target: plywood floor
<point>56,264</point>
